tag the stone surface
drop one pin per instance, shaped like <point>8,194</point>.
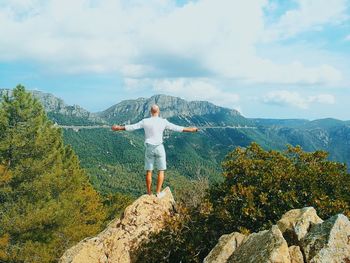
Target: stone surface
<point>122,236</point>
<point>295,223</point>
<point>226,245</point>
<point>319,242</point>
<point>329,241</point>
<point>295,254</point>
<point>266,246</point>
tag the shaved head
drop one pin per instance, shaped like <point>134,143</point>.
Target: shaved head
<point>154,109</point>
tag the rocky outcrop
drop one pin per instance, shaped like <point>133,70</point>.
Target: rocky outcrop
<point>300,236</point>
<point>265,246</point>
<point>122,236</point>
<point>329,241</point>
<point>296,256</point>
<point>295,223</point>
<point>225,247</point>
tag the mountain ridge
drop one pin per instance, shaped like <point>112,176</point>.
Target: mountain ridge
<point>103,152</point>
<point>55,104</point>
<point>58,110</point>
<point>134,110</point>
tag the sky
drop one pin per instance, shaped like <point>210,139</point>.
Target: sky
<point>264,58</point>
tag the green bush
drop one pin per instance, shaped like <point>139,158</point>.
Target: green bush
<point>259,187</point>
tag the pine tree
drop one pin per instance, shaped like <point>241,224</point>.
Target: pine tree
<point>46,201</point>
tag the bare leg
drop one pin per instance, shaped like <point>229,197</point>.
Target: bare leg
<point>149,181</point>
<point>160,181</point>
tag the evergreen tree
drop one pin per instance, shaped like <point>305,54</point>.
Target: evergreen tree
<point>46,201</point>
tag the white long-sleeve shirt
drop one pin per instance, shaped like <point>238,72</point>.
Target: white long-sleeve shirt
<point>154,128</point>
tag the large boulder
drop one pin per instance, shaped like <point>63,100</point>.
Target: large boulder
<point>121,238</point>
<point>296,256</point>
<point>266,246</point>
<point>225,247</point>
<point>318,241</point>
<point>329,241</point>
<point>295,224</point>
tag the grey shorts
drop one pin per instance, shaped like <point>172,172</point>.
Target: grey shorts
<point>155,154</point>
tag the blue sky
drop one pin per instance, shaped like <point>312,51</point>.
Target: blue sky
<point>265,58</point>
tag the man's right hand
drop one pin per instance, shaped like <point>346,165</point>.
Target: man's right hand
<point>117,128</point>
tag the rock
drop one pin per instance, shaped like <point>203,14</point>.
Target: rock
<point>266,246</point>
<point>225,247</point>
<point>295,223</point>
<point>89,250</point>
<point>122,236</point>
<point>329,241</point>
<point>295,254</point>
<point>319,242</point>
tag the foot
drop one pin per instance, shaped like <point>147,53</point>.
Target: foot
<point>160,195</point>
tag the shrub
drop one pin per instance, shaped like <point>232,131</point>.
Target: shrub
<point>259,187</point>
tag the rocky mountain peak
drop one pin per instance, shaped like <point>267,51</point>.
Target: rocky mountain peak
<point>121,238</point>
<point>170,106</point>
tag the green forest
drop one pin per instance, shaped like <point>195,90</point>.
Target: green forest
<point>50,198</point>
<point>47,202</point>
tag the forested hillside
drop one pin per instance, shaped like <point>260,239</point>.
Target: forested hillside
<point>198,154</point>
<point>114,161</point>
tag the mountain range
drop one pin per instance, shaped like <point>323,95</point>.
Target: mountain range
<point>104,153</point>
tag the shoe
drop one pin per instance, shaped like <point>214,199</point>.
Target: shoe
<point>160,195</point>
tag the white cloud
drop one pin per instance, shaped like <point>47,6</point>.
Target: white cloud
<point>156,38</point>
<point>310,15</point>
<point>295,99</point>
<point>294,72</point>
<point>347,38</point>
<point>187,88</point>
<point>136,70</point>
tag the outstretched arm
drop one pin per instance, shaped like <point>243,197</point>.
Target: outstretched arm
<point>131,127</point>
<point>190,129</point>
<point>178,128</point>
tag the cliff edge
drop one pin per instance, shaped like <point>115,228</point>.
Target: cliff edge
<point>122,236</point>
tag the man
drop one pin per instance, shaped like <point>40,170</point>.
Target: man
<point>155,153</point>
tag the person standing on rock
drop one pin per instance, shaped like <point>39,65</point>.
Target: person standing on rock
<point>155,152</point>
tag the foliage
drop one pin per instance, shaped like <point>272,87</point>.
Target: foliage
<point>262,185</point>
<point>46,201</point>
<point>115,204</point>
<point>259,187</point>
